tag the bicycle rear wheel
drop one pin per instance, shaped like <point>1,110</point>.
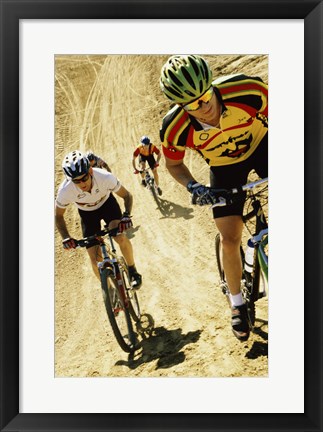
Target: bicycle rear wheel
<point>117,308</point>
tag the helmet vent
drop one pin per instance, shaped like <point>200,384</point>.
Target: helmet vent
<point>174,92</point>
<point>188,77</point>
<point>175,79</point>
<point>205,71</point>
<point>194,65</point>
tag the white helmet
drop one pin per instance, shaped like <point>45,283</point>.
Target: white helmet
<point>75,164</point>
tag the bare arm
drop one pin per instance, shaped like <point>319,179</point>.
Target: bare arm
<point>106,166</point>
<point>179,171</point>
<point>127,197</point>
<point>158,157</point>
<point>60,222</point>
<point>134,162</point>
<point>100,163</point>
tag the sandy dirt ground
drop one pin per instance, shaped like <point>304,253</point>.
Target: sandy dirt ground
<point>106,103</point>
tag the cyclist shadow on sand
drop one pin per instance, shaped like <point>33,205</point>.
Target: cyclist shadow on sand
<point>164,345</point>
<point>259,348</point>
<point>171,210</point>
<point>130,233</point>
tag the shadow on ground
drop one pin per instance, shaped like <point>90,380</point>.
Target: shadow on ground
<point>130,233</point>
<point>258,348</point>
<point>162,345</point>
<point>171,210</point>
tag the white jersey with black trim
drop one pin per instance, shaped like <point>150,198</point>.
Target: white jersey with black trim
<point>103,183</point>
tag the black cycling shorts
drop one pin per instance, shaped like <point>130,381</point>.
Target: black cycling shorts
<point>91,220</point>
<point>150,159</point>
<point>230,176</point>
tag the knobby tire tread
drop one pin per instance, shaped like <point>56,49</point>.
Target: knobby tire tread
<point>105,276</point>
<point>132,311</point>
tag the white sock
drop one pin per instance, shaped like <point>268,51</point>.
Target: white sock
<point>236,300</point>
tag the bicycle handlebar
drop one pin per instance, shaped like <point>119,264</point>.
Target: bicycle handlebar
<point>87,241</point>
<point>223,197</point>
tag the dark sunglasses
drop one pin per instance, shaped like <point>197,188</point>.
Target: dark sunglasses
<point>82,179</point>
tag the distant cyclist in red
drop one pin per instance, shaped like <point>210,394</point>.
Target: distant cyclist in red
<point>145,150</point>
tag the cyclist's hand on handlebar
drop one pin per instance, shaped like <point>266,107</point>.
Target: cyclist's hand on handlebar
<point>125,222</point>
<point>136,171</point>
<point>69,243</point>
<point>201,195</point>
<point>156,165</point>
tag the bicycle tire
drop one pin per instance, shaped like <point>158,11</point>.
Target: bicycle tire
<point>246,277</point>
<point>255,278</point>
<point>118,313</point>
<point>134,307</point>
<point>153,189</point>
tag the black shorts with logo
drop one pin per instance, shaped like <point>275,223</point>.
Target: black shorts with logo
<point>150,159</point>
<point>91,220</point>
<point>230,176</point>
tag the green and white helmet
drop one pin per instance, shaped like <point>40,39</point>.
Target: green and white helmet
<point>185,78</point>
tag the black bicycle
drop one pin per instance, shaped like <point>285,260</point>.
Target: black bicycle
<point>150,183</point>
<point>254,253</point>
<point>120,299</point>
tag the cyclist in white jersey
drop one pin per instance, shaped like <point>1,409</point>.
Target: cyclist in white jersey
<point>91,190</point>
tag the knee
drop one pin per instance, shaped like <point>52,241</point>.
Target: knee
<point>122,239</point>
<point>230,242</point>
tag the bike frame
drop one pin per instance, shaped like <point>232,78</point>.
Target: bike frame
<point>260,237</point>
<point>150,181</point>
<point>113,268</point>
<point>114,262</point>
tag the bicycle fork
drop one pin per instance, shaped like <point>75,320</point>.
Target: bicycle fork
<point>112,266</point>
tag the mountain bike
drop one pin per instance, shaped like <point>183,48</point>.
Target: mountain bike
<point>150,183</point>
<point>120,299</point>
<point>254,278</point>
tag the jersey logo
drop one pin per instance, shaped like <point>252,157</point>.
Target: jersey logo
<point>82,195</point>
<point>204,136</point>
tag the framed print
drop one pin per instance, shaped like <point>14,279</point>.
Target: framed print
<point>44,384</point>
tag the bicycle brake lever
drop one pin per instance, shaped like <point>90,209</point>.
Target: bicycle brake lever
<point>220,202</point>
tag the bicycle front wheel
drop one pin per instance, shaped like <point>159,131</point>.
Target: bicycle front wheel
<point>117,308</point>
<point>132,297</point>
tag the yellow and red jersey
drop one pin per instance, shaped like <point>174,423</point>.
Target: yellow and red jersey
<point>146,150</point>
<point>243,124</point>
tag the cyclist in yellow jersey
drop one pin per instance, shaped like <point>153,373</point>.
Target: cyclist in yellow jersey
<point>226,122</point>
<point>145,150</point>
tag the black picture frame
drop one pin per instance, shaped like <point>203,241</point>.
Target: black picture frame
<point>11,12</point>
